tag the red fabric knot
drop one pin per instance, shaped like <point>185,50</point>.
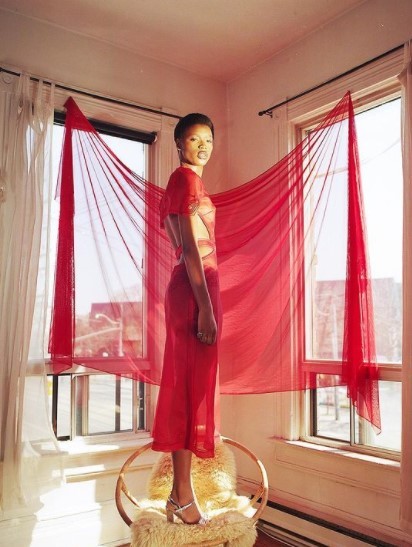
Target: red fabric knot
<point>178,252</point>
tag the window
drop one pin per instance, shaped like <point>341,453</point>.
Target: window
<point>331,415</point>
<point>84,402</point>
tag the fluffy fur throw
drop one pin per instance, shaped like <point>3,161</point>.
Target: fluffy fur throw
<point>214,482</point>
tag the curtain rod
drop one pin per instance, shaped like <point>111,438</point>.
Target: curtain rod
<point>269,111</point>
<point>95,95</point>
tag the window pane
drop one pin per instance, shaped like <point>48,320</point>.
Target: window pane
<point>104,330</point>
<point>62,423</point>
<point>326,241</point>
<point>132,153</point>
<point>141,409</point>
<point>110,325</point>
<point>378,132</point>
<point>110,404</point>
<point>63,406</point>
<point>390,396</point>
<point>102,394</point>
<point>332,413</point>
<point>126,404</point>
<point>380,154</point>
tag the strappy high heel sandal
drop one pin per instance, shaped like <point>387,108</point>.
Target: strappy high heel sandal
<point>177,510</point>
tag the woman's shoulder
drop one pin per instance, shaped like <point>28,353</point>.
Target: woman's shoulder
<point>185,181</point>
<point>185,176</point>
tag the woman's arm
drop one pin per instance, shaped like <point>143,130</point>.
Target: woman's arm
<point>193,261</point>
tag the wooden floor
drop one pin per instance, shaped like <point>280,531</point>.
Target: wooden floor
<point>265,541</point>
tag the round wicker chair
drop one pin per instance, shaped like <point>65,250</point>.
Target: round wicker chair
<point>261,494</point>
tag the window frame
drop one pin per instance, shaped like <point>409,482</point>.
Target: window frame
<point>382,93</point>
<point>79,380</point>
<point>120,120</point>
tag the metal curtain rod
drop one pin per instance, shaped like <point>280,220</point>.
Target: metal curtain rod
<point>96,96</point>
<point>270,110</point>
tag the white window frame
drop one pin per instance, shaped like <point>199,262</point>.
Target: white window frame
<point>160,163</point>
<point>387,372</point>
<point>368,86</point>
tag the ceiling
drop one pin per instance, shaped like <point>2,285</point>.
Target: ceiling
<point>219,39</point>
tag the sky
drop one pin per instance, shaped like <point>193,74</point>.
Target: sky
<point>378,132</point>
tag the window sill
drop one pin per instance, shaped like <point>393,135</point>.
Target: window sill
<point>339,450</point>
<point>380,456</point>
<point>85,462</point>
<point>104,444</point>
<point>82,461</point>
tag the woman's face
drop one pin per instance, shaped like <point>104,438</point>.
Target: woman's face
<point>195,148</point>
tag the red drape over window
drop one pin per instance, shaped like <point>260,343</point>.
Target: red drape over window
<point>114,262</point>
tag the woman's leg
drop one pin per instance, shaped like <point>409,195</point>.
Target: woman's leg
<point>182,491</point>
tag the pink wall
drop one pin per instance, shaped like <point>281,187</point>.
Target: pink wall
<point>371,29</point>
<point>82,62</point>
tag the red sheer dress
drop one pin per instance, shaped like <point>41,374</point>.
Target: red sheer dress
<point>185,414</point>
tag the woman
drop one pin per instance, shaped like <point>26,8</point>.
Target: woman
<point>184,421</point>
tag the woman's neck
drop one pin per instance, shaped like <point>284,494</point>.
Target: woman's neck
<point>198,169</point>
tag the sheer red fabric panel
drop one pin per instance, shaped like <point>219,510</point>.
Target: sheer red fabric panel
<point>272,233</point>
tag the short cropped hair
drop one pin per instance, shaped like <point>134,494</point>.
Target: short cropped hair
<point>192,119</point>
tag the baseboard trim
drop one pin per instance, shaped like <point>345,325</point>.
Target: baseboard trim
<point>365,538</point>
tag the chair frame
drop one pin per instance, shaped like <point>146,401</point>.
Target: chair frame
<point>260,495</point>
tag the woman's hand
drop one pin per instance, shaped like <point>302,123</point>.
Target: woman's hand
<point>206,326</point>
